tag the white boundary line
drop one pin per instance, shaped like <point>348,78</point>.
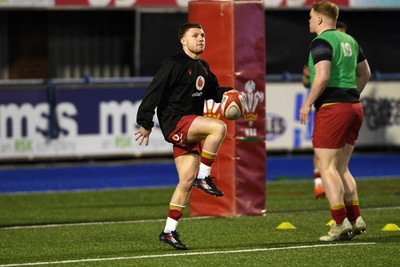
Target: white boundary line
<point>148,221</point>
<point>185,254</point>
<point>94,223</point>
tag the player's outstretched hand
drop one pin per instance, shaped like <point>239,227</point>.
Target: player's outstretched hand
<point>142,135</point>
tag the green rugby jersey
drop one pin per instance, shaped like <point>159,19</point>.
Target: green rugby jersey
<point>342,84</point>
<point>344,59</point>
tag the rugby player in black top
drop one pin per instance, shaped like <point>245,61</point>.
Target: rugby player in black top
<point>178,91</point>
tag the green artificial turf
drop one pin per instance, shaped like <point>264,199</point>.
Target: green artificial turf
<point>121,227</point>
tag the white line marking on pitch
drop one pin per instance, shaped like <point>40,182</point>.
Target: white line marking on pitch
<point>184,254</point>
<point>94,223</point>
<point>146,221</point>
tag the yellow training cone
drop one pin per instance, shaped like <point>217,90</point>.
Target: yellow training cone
<point>286,226</point>
<point>329,223</point>
<point>391,227</point>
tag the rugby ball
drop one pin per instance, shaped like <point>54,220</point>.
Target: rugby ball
<point>232,105</point>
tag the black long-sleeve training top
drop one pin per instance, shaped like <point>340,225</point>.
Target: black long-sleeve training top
<point>179,88</point>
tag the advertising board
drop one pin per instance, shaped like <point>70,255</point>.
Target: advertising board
<point>100,121</point>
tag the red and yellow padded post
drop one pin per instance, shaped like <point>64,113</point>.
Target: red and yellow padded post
<point>235,50</point>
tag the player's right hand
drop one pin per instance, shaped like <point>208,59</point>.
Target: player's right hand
<point>142,135</point>
<point>304,113</point>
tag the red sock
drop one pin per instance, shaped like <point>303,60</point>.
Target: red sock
<point>207,158</point>
<point>317,174</point>
<point>175,214</point>
<point>339,213</point>
<point>353,210</point>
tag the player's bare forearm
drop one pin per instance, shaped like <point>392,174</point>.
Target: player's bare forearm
<point>316,90</point>
<point>363,75</point>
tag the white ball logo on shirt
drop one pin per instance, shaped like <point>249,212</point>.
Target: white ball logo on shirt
<point>200,83</point>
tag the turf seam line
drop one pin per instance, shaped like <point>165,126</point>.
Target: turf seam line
<point>186,254</point>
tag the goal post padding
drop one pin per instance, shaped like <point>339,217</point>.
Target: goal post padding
<point>235,50</point>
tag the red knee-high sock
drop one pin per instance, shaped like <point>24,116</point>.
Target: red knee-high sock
<point>207,158</point>
<point>174,214</point>
<point>353,210</point>
<point>317,174</point>
<point>339,214</point>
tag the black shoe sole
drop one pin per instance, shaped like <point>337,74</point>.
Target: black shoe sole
<point>175,246</point>
<point>216,194</point>
<point>353,234</point>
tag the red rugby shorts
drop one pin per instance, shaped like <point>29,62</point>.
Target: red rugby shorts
<point>337,124</point>
<point>178,136</point>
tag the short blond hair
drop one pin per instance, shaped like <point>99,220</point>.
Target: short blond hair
<point>326,8</point>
